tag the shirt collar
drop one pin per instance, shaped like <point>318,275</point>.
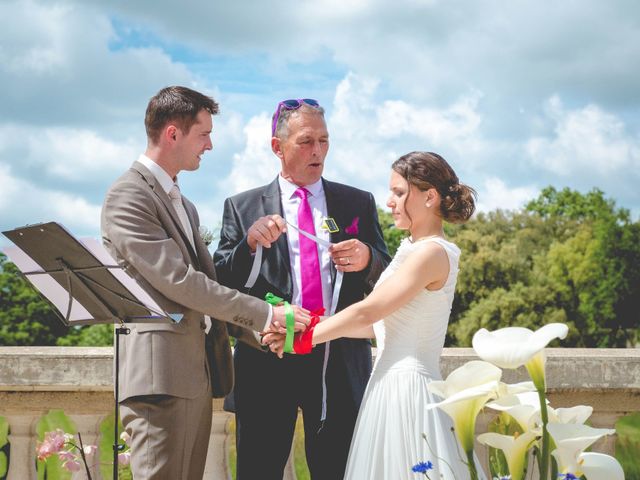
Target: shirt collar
<point>288,189</point>
<point>163,178</point>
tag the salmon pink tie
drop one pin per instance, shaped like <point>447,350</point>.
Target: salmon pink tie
<point>309,263</point>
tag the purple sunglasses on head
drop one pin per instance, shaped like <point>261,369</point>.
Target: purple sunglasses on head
<point>292,104</point>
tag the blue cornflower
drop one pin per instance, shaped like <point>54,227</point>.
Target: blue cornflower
<point>567,476</point>
<point>422,467</point>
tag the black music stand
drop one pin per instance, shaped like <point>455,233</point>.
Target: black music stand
<point>96,289</point>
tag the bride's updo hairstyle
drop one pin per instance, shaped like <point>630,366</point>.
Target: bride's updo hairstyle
<point>428,170</point>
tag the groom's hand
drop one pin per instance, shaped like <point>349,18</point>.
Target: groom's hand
<point>279,321</point>
<point>265,231</point>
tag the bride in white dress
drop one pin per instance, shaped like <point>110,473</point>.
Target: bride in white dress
<point>408,313</point>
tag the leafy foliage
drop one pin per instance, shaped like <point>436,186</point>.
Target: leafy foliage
<point>25,318</point>
<point>567,257</point>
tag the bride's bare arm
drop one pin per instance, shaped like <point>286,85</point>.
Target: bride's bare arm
<point>366,332</point>
<point>426,266</point>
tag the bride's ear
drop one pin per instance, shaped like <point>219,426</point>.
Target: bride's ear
<point>431,197</point>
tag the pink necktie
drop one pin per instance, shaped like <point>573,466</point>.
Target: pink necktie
<point>309,263</point>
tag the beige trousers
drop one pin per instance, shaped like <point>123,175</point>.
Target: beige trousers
<point>169,435</point>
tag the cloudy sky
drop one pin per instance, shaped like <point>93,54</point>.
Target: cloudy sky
<point>516,95</point>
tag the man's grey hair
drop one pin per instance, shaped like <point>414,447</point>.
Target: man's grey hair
<point>282,127</point>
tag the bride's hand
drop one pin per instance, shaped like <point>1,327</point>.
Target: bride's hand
<point>275,342</point>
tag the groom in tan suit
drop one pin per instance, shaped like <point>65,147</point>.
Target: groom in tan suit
<point>170,371</point>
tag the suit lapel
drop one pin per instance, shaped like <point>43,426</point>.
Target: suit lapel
<point>166,201</point>
<point>271,204</point>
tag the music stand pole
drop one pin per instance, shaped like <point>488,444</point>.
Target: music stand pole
<point>121,330</point>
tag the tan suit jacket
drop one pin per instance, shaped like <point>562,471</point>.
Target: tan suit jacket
<point>142,231</point>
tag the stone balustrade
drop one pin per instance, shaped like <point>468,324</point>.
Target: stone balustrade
<point>34,380</point>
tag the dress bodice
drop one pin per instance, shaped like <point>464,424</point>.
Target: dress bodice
<point>413,336</point>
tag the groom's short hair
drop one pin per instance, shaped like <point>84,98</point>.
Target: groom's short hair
<point>176,104</point>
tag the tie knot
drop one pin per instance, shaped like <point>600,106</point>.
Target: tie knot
<point>302,193</point>
<point>174,193</point>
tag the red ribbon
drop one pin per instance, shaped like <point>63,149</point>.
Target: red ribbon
<point>302,342</point>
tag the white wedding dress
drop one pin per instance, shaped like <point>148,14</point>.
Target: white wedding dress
<point>388,438</point>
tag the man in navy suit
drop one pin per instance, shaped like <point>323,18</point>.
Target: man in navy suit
<point>269,390</point>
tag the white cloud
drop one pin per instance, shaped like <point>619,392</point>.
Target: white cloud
<point>586,140</point>
<point>58,65</point>
<point>74,154</point>
<point>256,165</point>
<point>366,136</point>
<point>22,203</point>
<point>33,51</point>
<point>495,194</point>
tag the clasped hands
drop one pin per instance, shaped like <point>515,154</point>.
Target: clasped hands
<point>275,337</point>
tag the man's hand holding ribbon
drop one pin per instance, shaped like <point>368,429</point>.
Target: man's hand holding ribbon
<point>350,255</point>
<point>265,231</point>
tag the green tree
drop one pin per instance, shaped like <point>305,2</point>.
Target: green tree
<point>25,317</point>
<point>567,257</point>
<point>598,266</point>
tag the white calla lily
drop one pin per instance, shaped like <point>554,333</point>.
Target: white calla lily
<point>598,466</point>
<point>471,374</point>
<point>571,440</point>
<point>465,392</point>
<point>578,414</point>
<point>523,407</point>
<point>513,347</point>
<point>507,389</point>
<point>514,447</point>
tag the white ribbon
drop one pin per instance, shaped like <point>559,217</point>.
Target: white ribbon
<point>253,276</point>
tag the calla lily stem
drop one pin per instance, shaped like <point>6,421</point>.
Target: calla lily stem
<point>543,461</point>
<point>471,463</point>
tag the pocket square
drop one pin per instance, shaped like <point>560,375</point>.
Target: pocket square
<point>353,228</point>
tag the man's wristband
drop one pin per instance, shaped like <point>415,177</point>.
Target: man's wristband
<point>289,320</point>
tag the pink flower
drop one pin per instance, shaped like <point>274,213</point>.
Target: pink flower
<point>57,439</point>
<point>89,449</point>
<point>353,228</point>
<point>124,458</point>
<point>66,456</point>
<point>53,443</point>
<point>72,465</point>
<point>44,450</point>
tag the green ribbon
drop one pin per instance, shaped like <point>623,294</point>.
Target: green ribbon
<point>289,319</point>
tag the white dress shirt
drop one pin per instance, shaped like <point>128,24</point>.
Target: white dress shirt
<point>318,204</point>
